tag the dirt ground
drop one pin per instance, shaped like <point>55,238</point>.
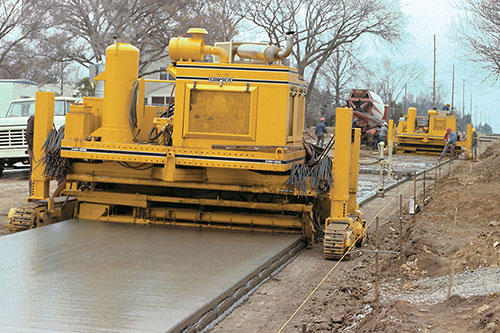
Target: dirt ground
<point>459,228</point>
<point>13,191</point>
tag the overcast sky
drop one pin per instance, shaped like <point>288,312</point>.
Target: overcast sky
<point>429,17</point>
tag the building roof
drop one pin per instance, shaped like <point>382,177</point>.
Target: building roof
<point>20,81</point>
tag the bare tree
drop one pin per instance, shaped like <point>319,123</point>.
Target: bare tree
<point>478,29</point>
<point>323,25</point>
<point>389,79</point>
<point>423,102</point>
<point>341,69</point>
<point>20,22</point>
<point>84,28</point>
<point>221,18</point>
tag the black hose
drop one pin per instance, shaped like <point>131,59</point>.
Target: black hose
<point>154,137</point>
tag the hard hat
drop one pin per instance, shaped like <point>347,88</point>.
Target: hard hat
<point>448,105</point>
<point>448,130</point>
<point>322,119</point>
<point>473,130</point>
<point>385,124</point>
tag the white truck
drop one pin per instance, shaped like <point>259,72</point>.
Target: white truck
<point>13,145</point>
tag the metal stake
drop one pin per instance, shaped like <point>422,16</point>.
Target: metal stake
<point>401,227</point>
<point>414,193</point>
<point>397,183</point>
<point>435,178</point>
<point>376,261</point>
<point>380,187</point>
<point>423,199</point>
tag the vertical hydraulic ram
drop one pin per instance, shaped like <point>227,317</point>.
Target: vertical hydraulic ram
<point>344,224</point>
<point>44,121</point>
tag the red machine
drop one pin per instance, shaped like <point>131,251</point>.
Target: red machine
<point>369,110</point>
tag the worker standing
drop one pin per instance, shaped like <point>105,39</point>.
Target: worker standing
<point>382,136</point>
<point>29,140</point>
<point>474,144</point>
<point>450,140</point>
<point>320,132</point>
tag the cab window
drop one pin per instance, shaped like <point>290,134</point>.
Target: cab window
<point>59,108</point>
<point>30,107</point>
<point>22,109</point>
<point>26,109</point>
<point>15,110</point>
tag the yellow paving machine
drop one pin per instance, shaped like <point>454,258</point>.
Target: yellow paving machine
<point>425,135</point>
<point>229,154</point>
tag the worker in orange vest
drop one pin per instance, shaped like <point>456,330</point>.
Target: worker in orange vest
<point>450,140</point>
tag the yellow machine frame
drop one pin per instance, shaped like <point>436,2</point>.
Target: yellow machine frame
<point>429,139</point>
<point>235,134</point>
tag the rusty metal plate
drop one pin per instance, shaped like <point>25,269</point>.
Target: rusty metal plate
<point>92,276</point>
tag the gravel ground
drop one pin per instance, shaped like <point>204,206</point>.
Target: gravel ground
<point>479,282</point>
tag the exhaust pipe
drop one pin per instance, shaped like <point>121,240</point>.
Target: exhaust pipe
<point>265,52</point>
<point>282,54</point>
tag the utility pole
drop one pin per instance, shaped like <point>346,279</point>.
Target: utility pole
<point>434,77</point>
<point>463,101</point>
<point>453,88</point>
<point>62,76</point>
<point>405,104</point>
<point>389,107</point>
<point>471,119</point>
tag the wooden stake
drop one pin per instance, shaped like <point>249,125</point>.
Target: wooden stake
<point>452,272</point>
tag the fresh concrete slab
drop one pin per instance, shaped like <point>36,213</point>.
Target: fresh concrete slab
<point>92,276</point>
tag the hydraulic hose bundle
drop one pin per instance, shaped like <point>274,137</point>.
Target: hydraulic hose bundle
<point>306,178</point>
<point>55,165</point>
<point>154,133</point>
<point>315,175</point>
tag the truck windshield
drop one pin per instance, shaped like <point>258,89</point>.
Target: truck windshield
<point>26,109</point>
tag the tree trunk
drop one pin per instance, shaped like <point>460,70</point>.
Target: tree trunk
<point>315,75</point>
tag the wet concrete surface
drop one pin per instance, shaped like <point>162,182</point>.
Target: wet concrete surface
<point>108,277</point>
<point>402,165</point>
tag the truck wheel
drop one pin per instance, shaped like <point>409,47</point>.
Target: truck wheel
<point>2,166</point>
